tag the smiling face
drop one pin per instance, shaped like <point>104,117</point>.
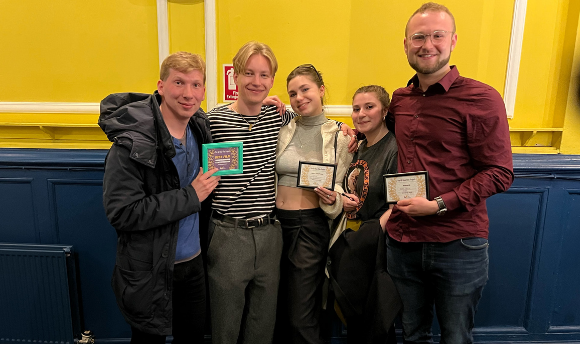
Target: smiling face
<point>367,113</point>
<point>430,58</point>
<point>305,96</point>
<point>256,80</point>
<point>182,94</point>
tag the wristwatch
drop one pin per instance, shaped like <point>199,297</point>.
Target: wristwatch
<point>442,207</point>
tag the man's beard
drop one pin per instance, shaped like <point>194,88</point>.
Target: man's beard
<point>429,70</point>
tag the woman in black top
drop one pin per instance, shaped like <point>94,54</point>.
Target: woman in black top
<point>377,155</point>
<point>363,290</point>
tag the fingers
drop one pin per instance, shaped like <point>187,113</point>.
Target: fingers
<point>205,183</point>
<point>276,101</point>
<point>280,106</point>
<point>404,202</point>
<point>353,144</point>
<point>327,196</point>
<point>208,173</point>
<point>354,198</point>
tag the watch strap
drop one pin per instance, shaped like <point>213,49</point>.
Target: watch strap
<point>441,204</point>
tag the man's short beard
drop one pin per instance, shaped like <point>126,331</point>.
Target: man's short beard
<point>430,70</point>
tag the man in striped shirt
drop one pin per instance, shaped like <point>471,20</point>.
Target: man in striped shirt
<point>245,239</point>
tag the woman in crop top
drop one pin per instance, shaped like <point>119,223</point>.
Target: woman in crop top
<point>304,213</point>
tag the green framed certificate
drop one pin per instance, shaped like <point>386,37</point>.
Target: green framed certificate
<point>400,186</point>
<point>227,157</point>
<point>315,174</point>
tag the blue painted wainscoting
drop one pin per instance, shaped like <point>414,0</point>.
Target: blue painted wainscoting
<point>533,293</point>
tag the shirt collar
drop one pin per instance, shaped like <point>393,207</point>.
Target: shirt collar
<point>445,82</point>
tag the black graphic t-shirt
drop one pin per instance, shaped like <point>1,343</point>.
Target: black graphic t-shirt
<point>364,177</point>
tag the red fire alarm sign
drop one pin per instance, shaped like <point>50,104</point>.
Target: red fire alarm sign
<point>230,87</point>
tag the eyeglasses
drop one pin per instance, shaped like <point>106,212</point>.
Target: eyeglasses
<point>437,37</point>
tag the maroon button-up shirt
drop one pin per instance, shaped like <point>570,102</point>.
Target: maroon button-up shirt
<point>457,131</point>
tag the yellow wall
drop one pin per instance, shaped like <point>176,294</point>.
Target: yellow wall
<point>570,137</point>
<point>70,51</point>
<point>355,43</point>
<point>76,51</point>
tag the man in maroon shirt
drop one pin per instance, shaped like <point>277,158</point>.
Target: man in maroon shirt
<point>456,129</point>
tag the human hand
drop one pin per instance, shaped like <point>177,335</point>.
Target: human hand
<point>418,206</point>
<point>204,183</point>
<point>347,131</point>
<point>353,144</point>
<point>349,203</point>
<point>275,100</point>
<point>327,196</point>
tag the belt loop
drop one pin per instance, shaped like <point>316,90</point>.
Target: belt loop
<point>235,223</point>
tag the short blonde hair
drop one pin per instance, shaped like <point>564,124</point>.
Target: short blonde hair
<point>182,62</point>
<point>252,48</point>
<point>431,7</point>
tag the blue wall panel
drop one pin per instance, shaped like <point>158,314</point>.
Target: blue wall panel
<point>566,310</point>
<point>512,236</point>
<point>533,293</point>
<point>17,210</point>
<point>80,219</point>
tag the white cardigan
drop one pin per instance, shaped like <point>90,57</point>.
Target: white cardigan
<point>343,157</point>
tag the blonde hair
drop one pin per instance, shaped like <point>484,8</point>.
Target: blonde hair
<point>252,48</point>
<point>182,62</point>
<point>431,7</point>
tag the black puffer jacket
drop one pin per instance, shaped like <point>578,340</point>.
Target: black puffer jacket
<point>144,203</point>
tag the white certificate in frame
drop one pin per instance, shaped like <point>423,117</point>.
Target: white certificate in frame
<point>400,186</point>
<point>314,174</point>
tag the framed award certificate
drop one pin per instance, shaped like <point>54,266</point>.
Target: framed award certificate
<point>227,157</point>
<point>315,174</point>
<point>400,186</point>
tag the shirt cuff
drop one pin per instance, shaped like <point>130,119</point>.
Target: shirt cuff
<point>451,200</point>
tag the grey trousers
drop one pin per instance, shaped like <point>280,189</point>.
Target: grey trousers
<point>243,273</point>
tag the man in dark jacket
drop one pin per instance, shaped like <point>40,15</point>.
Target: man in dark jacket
<point>153,189</point>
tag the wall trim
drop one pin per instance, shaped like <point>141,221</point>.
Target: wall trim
<point>162,30</point>
<point>330,110</point>
<point>211,64</point>
<point>515,56</point>
<point>48,107</point>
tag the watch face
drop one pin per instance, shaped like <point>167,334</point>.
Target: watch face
<point>440,204</point>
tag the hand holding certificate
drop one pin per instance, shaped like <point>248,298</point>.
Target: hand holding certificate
<point>315,174</point>
<point>227,157</point>
<point>400,186</point>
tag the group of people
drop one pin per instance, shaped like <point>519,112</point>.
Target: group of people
<point>270,256</point>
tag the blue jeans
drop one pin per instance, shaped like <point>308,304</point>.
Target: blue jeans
<point>449,276</point>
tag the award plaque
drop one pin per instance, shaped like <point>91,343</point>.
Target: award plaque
<point>315,174</point>
<point>227,157</point>
<point>400,186</point>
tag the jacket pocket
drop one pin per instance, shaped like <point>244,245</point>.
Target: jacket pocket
<point>134,292</point>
